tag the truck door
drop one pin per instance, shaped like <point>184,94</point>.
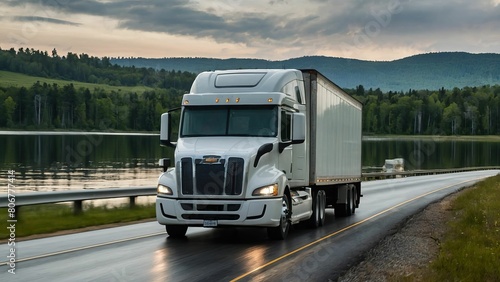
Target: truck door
<point>285,159</point>
<point>299,161</point>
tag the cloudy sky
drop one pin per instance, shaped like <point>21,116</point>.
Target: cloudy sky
<point>265,29</point>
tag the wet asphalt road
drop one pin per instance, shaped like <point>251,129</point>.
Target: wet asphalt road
<point>143,252</point>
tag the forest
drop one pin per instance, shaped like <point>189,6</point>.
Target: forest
<point>87,68</point>
<point>457,111</point>
<point>465,111</point>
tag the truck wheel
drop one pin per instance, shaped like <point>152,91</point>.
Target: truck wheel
<point>280,232</point>
<point>176,231</point>
<point>354,199</point>
<point>319,204</point>
<point>342,210</point>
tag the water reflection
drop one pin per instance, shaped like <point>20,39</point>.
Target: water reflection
<point>74,161</point>
<point>431,154</point>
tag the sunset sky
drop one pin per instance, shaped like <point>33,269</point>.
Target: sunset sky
<point>264,29</point>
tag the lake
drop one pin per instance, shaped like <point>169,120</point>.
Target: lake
<point>52,161</point>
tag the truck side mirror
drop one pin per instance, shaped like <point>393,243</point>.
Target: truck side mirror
<point>299,128</point>
<point>165,130</point>
<point>165,163</point>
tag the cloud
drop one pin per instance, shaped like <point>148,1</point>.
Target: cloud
<point>328,18</point>
<point>311,26</point>
<point>43,19</point>
<point>179,17</point>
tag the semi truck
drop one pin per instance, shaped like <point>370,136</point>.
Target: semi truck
<point>263,148</point>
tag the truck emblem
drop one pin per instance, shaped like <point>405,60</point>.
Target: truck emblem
<point>210,160</point>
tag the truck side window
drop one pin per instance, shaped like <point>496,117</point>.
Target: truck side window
<point>286,121</point>
<point>298,95</point>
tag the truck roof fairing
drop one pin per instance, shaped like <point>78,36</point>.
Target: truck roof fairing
<point>248,81</point>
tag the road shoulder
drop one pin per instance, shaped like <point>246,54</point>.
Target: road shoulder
<point>407,253</point>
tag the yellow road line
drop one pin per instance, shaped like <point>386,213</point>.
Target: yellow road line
<point>345,229</point>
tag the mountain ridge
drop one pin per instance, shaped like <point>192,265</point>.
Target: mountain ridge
<point>421,71</point>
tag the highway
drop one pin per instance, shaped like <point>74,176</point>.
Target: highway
<point>143,252</point>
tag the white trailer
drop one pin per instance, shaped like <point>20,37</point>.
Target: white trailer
<point>266,148</point>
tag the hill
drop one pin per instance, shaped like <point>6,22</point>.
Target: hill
<point>15,79</point>
<point>88,69</point>
<point>425,71</point>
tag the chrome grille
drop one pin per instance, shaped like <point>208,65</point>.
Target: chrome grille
<point>219,177</point>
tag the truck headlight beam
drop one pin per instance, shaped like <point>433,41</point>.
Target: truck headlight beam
<point>269,190</point>
<point>164,190</point>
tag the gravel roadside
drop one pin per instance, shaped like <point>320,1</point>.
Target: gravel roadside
<point>405,255</point>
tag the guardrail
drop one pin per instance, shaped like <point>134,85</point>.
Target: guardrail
<point>78,196</point>
<point>384,175</point>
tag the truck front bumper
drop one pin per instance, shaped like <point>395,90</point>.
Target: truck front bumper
<point>253,212</point>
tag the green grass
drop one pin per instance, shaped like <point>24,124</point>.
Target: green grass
<point>42,219</point>
<point>471,248</point>
<point>19,80</point>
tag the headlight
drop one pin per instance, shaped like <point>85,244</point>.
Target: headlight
<point>165,190</point>
<point>270,190</point>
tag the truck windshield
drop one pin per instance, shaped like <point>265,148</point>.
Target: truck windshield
<point>230,121</point>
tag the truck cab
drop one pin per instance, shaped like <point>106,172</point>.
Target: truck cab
<point>261,148</point>
<point>241,145</point>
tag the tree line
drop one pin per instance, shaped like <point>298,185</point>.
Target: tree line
<point>50,106</point>
<point>465,111</point>
<point>457,111</point>
<point>90,69</point>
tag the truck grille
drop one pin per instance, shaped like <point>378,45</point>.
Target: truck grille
<point>217,178</point>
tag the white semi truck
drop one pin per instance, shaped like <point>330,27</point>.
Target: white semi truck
<point>260,148</point>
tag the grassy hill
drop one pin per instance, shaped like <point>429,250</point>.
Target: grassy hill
<point>426,71</point>
<point>8,78</point>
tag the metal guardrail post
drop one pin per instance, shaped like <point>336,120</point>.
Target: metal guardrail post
<point>78,207</point>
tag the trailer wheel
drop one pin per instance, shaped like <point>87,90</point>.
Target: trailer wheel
<point>280,232</point>
<point>354,199</point>
<point>347,209</point>
<point>176,231</point>
<point>319,204</point>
